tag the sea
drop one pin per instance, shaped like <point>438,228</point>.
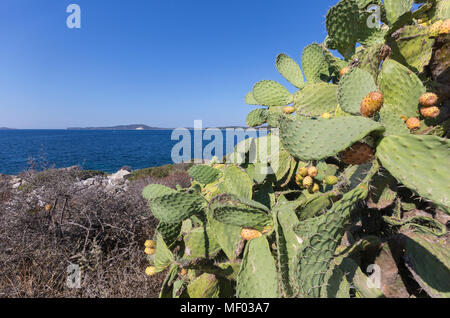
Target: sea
<point>104,150</point>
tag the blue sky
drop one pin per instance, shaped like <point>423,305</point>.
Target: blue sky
<point>161,63</point>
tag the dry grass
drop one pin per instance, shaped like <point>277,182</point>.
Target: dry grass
<point>101,231</point>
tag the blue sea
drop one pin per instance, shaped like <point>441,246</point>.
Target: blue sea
<point>105,150</point>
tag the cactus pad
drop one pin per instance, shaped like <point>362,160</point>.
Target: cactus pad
<point>313,61</point>
<point>258,277</point>
<point>419,163</point>
<point>290,70</point>
<point>321,138</point>
<point>340,22</point>
<point>175,207</point>
<point>257,117</point>
<point>271,93</point>
<point>316,99</point>
<point>204,174</point>
<point>401,88</point>
<point>353,87</point>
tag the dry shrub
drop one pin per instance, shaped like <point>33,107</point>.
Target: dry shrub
<point>101,230</point>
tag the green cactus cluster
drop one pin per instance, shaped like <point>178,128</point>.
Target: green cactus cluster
<point>381,188</point>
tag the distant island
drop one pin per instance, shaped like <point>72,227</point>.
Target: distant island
<point>6,128</point>
<point>145,127</point>
<point>121,127</point>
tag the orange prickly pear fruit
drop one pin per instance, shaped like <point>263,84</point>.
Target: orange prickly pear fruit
<point>48,207</point>
<point>308,182</point>
<point>445,27</point>
<point>430,112</point>
<point>344,71</point>
<point>183,272</point>
<point>249,233</point>
<point>371,104</point>
<point>428,99</point>
<point>289,110</point>
<point>413,123</point>
<point>357,154</point>
<point>312,171</point>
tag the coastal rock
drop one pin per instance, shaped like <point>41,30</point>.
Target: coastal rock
<point>15,182</point>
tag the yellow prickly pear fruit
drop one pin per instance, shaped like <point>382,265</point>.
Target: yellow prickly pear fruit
<point>48,207</point>
<point>428,99</point>
<point>299,180</point>
<point>445,27</point>
<point>430,112</point>
<point>303,171</point>
<point>150,271</point>
<point>267,229</point>
<point>315,188</point>
<point>344,71</point>
<point>371,104</point>
<point>413,123</point>
<point>308,182</point>
<point>150,244</point>
<point>312,171</point>
<point>357,154</point>
<point>183,272</point>
<point>331,180</point>
<point>250,234</point>
<point>326,115</point>
<point>288,110</point>
<point>150,251</point>
<point>434,28</point>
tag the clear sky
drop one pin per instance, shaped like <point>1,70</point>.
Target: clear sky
<point>162,63</point>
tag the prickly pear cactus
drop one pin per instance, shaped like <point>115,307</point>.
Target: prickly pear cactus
<point>341,176</point>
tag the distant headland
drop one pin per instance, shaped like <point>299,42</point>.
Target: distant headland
<point>143,127</point>
<point>6,128</point>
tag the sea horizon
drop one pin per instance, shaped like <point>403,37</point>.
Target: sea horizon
<point>102,150</point>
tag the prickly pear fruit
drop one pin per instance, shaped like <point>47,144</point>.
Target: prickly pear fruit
<point>357,154</point>
<point>250,234</point>
<point>267,229</point>
<point>308,182</point>
<point>150,243</point>
<point>428,99</point>
<point>289,110</point>
<point>315,188</point>
<point>313,172</point>
<point>183,272</point>
<point>299,180</point>
<point>303,171</point>
<point>326,116</point>
<point>48,207</point>
<point>150,251</point>
<point>344,71</point>
<point>435,28</point>
<point>430,112</point>
<point>445,27</point>
<point>331,180</point>
<point>371,104</point>
<point>150,271</point>
<point>413,123</point>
